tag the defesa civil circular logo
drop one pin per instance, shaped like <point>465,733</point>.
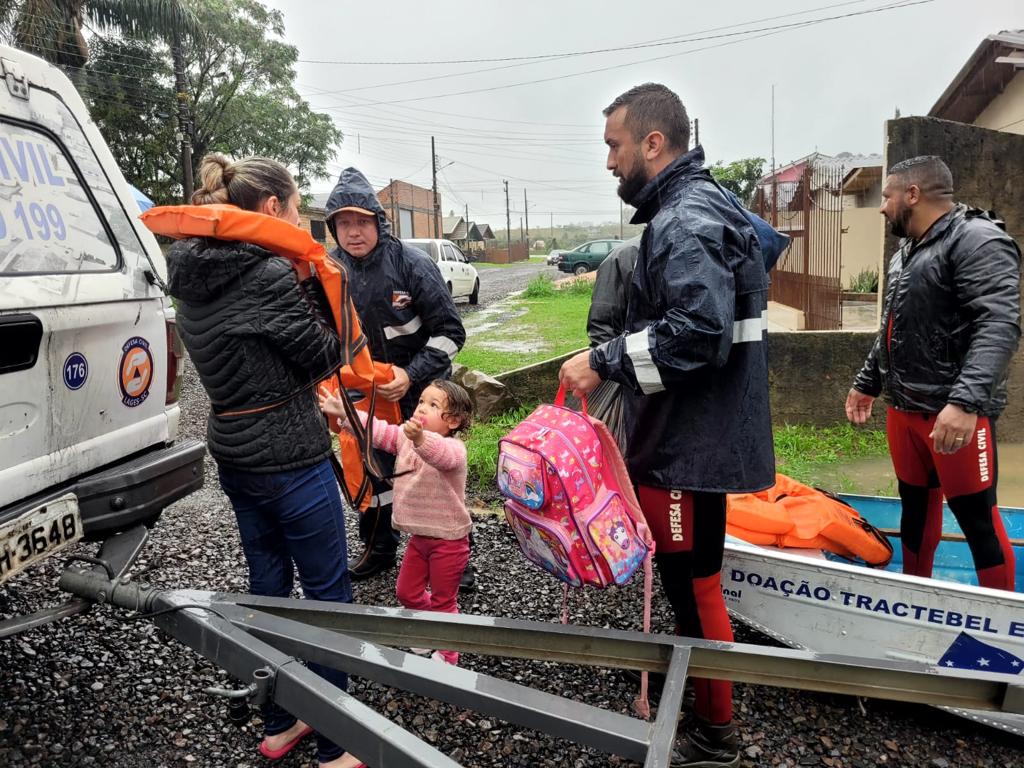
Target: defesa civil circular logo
<point>135,371</point>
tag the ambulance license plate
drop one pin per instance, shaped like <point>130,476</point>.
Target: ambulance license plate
<point>46,529</point>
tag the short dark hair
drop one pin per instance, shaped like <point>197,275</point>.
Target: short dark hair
<point>653,107</point>
<point>460,406</point>
<point>928,173</point>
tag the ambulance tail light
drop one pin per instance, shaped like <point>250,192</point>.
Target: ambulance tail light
<point>175,352</point>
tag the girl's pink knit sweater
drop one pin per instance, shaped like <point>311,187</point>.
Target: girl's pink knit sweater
<point>430,500</point>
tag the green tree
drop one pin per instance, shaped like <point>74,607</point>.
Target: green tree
<point>740,177</point>
<point>239,91</point>
<point>242,92</point>
<point>53,29</point>
<point>128,89</point>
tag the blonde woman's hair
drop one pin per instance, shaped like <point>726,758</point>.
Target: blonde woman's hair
<point>245,183</point>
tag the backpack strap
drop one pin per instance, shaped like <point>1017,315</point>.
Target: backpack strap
<point>560,399</point>
<point>614,463</point>
<point>641,705</point>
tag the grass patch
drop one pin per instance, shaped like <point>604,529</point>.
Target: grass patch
<point>801,452</point>
<point>552,322</point>
<point>482,450</point>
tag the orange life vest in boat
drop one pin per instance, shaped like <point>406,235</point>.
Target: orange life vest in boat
<point>790,514</point>
<point>359,372</point>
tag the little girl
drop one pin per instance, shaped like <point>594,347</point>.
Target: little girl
<point>430,495</point>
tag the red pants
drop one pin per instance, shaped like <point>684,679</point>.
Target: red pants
<point>689,534</point>
<point>967,478</point>
<point>429,577</point>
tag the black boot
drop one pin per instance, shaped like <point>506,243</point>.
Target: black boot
<point>467,582</point>
<point>370,563</point>
<point>381,542</point>
<point>708,746</point>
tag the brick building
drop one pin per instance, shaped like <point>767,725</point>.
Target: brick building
<point>411,209</point>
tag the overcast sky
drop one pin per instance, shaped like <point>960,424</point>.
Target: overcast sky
<point>835,83</point>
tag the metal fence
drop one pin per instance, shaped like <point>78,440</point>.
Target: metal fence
<point>810,210</point>
<point>518,251</point>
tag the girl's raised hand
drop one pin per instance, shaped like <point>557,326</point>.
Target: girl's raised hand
<point>414,431</point>
<point>332,406</point>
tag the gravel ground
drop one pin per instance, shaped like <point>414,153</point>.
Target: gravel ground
<point>97,690</point>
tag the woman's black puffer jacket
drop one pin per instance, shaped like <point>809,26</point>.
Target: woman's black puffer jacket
<point>256,337</point>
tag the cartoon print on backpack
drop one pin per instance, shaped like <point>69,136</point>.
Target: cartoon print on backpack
<point>619,534</point>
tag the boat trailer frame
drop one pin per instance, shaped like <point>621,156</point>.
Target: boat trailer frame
<point>263,641</point>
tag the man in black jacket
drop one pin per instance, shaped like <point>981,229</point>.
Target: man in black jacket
<point>606,320</point>
<point>950,326</point>
<point>694,369</point>
<point>409,319</point>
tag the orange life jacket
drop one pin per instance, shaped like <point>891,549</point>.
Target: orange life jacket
<point>790,514</point>
<point>356,479</point>
<point>228,222</point>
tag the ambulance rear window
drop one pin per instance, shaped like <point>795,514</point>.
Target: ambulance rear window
<point>48,224</point>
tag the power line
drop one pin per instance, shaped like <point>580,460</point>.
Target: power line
<point>567,54</point>
<point>771,32</point>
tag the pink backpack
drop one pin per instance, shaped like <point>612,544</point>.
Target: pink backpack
<point>570,502</point>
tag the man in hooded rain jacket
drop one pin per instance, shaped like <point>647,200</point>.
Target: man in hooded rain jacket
<point>410,321</point>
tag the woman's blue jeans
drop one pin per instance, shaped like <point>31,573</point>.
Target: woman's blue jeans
<point>293,520</point>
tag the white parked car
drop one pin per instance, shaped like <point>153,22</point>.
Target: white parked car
<point>90,363</point>
<point>460,276</point>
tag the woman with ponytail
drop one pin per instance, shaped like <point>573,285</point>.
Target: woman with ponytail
<point>254,330</point>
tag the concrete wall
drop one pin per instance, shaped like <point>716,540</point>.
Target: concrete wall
<point>809,376</point>
<point>1006,111</point>
<point>864,229</point>
<point>988,172</point>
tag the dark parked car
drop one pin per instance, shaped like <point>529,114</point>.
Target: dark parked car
<point>587,256</point>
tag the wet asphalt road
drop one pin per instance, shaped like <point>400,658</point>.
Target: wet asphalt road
<point>498,282</point>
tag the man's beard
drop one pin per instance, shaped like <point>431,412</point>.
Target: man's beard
<point>898,226</point>
<point>630,186</point>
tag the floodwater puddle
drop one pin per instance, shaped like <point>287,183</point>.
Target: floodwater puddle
<point>875,476</point>
<point>492,318</point>
<point>526,346</point>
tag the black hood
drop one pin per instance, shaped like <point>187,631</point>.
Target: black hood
<point>201,269</point>
<point>353,189</point>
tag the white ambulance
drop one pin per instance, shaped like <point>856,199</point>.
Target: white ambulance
<point>89,357</point>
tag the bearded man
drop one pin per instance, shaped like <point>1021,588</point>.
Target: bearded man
<point>693,365</point>
<point>950,326</point>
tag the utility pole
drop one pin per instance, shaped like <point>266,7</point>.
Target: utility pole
<point>437,203</point>
<point>467,225</point>
<point>521,238</point>
<point>775,195</point>
<point>394,214</point>
<point>526,213</point>
<point>696,131</point>
<point>508,223</point>
<point>184,120</point>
